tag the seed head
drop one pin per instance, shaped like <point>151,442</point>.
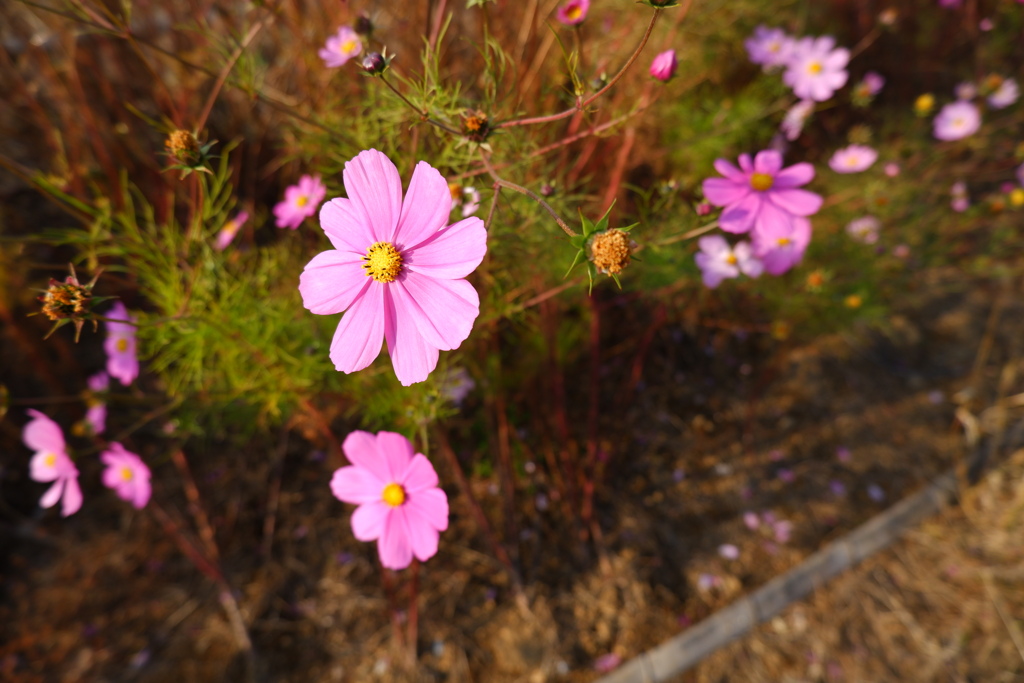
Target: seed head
<point>183,146</point>
<point>68,301</point>
<point>475,125</point>
<point>610,250</point>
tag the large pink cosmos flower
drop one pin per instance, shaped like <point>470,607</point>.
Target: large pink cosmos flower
<point>122,361</point>
<point>127,475</point>
<point>51,463</point>
<point>400,504</point>
<point>761,195</point>
<point>396,268</point>
<point>816,68</point>
<point>300,202</point>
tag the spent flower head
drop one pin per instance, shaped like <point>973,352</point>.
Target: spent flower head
<point>604,250</point>
<point>70,301</point>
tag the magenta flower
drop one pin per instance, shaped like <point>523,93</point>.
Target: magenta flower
<point>127,475</point>
<point>769,47</point>
<point>573,12</point>
<point>230,229</point>
<point>718,261</point>
<point>96,414</point>
<point>122,361</point>
<point>852,159</point>
<point>663,67</point>
<point>957,120</point>
<point>778,252</point>
<point>341,47</point>
<point>51,463</point>
<point>300,202</point>
<point>761,195</point>
<point>817,68</point>
<point>400,504</point>
<point>396,268</point>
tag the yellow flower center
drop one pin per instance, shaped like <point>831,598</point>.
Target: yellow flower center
<point>784,241</point>
<point>383,262</point>
<point>50,459</point>
<point>574,12</point>
<point>774,46</point>
<point>394,495</point>
<point>122,344</point>
<point>302,201</point>
<point>814,68</point>
<point>761,182</point>
<point>126,473</point>
<point>348,46</point>
<point>731,259</point>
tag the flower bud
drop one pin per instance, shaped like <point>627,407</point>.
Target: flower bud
<point>363,26</point>
<point>475,125</point>
<point>374,63</point>
<point>183,146</point>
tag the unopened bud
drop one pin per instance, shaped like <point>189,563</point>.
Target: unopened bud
<point>374,63</point>
<point>363,26</point>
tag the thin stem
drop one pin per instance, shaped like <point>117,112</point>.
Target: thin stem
<point>412,626</point>
<point>501,182</point>
<point>424,114</point>
<point>208,107</point>
<point>582,104</point>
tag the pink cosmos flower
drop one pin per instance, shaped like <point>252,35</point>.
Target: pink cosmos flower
<point>663,67</point>
<point>96,415</point>
<point>957,120</point>
<point>300,202</point>
<point>230,229</point>
<point>892,169</point>
<point>760,194</point>
<point>51,463</point>
<point>718,261</point>
<point>1006,94</point>
<point>852,159</point>
<point>470,201</point>
<point>780,252</point>
<point>966,91</point>
<point>127,475</point>
<point>341,47</point>
<point>122,361</point>
<point>817,68</point>
<point>400,504</point>
<point>873,82</point>
<point>793,122</point>
<point>769,47</point>
<point>396,268</point>
<point>864,229</point>
<point>573,12</point>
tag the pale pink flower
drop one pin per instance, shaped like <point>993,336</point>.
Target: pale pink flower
<point>230,229</point>
<point>853,159</point>
<point>396,268</point>
<point>729,552</point>
<point>817,68</point>
<point>864,229</point>
<point>959,198</point>
<point>127,475</point>
<point>780,252</point>
<point>52,463</point>
<point>751,520</point>
<point>873,82</point>
<point>96,414</point>
<point>341,47</point>
<point>470,201</point>
<point>663,67</point>
<point>891,169</point>
<point>718,261</point>
<point>769,47</point>
<point>573,12</point>
<point>795,119</point>
<point>301,201</point>
<point>400,504</point>
<point>760,195</point>
<point>122,361</point>
<point>1006,94</point>
<point>957,120</point>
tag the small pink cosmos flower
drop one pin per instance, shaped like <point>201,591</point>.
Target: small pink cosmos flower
<point>300,202</point>
<point>122,361</point>
<point>892,169</point>
<point>853,159</point>
<point>760,194</point>
<point>1006,94</point>
<point>96,415</point>
<point>864,229</point>
<point>51,463</point>
<point>396,267</point>
<point>778,252</point>
<point>400,504</point>
<point>573,12</point>
<point>966,91</point>
<point>795,119</point>
<point>663,67</point>
<point>718,261</point>
<point>957,120</point>
<point>341,47</point>
<point>817,68</point>
<point>230,229</point>
<point>127,475</point>
<point>769,47</point>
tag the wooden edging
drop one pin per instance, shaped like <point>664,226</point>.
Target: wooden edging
<point>688,648</point>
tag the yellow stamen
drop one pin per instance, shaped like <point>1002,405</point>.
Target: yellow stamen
<point>761,182</point>
<point>122,344</point>
<point>814,68</point>
<point>784,241</point>
<point>394,495</point>
<point>731,259</point>
<point>50,459</point>
<point>302,201</point>
<point>348,46</point>
<point>126,473</point>
<point>574,12</point>
<point>383,262</point>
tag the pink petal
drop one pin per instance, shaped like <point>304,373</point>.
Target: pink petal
<point>52,494</point>
<point>430,505</point>
<point>768,161</point>
<point>357,485</point>
<point>426,207</point>
<point>358,339</point>
<point>361,450</point>
<point>837,59</point>
<point>369,520</point>
<point>42,433</point>
<point>746,165</point>
<point>112,475</point>
<point>729,170</point>
<point>723,192</point>
<point>740,216</point>
<point>332,281</point>
<point>140,496</point>
<point>773,221</point>
<point>375,188</point>
<point>396,451</point>
<point>418,476</point>
<point>452,253</point>
<point>346,227</point>
<point>394,546</point>
<point>796,202</point>
<point>39,470</point>
<point>794,176</point>
<point>442,311</point>
<point>412,357</point>
<point>422,536</point>
<point>713,245</point>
